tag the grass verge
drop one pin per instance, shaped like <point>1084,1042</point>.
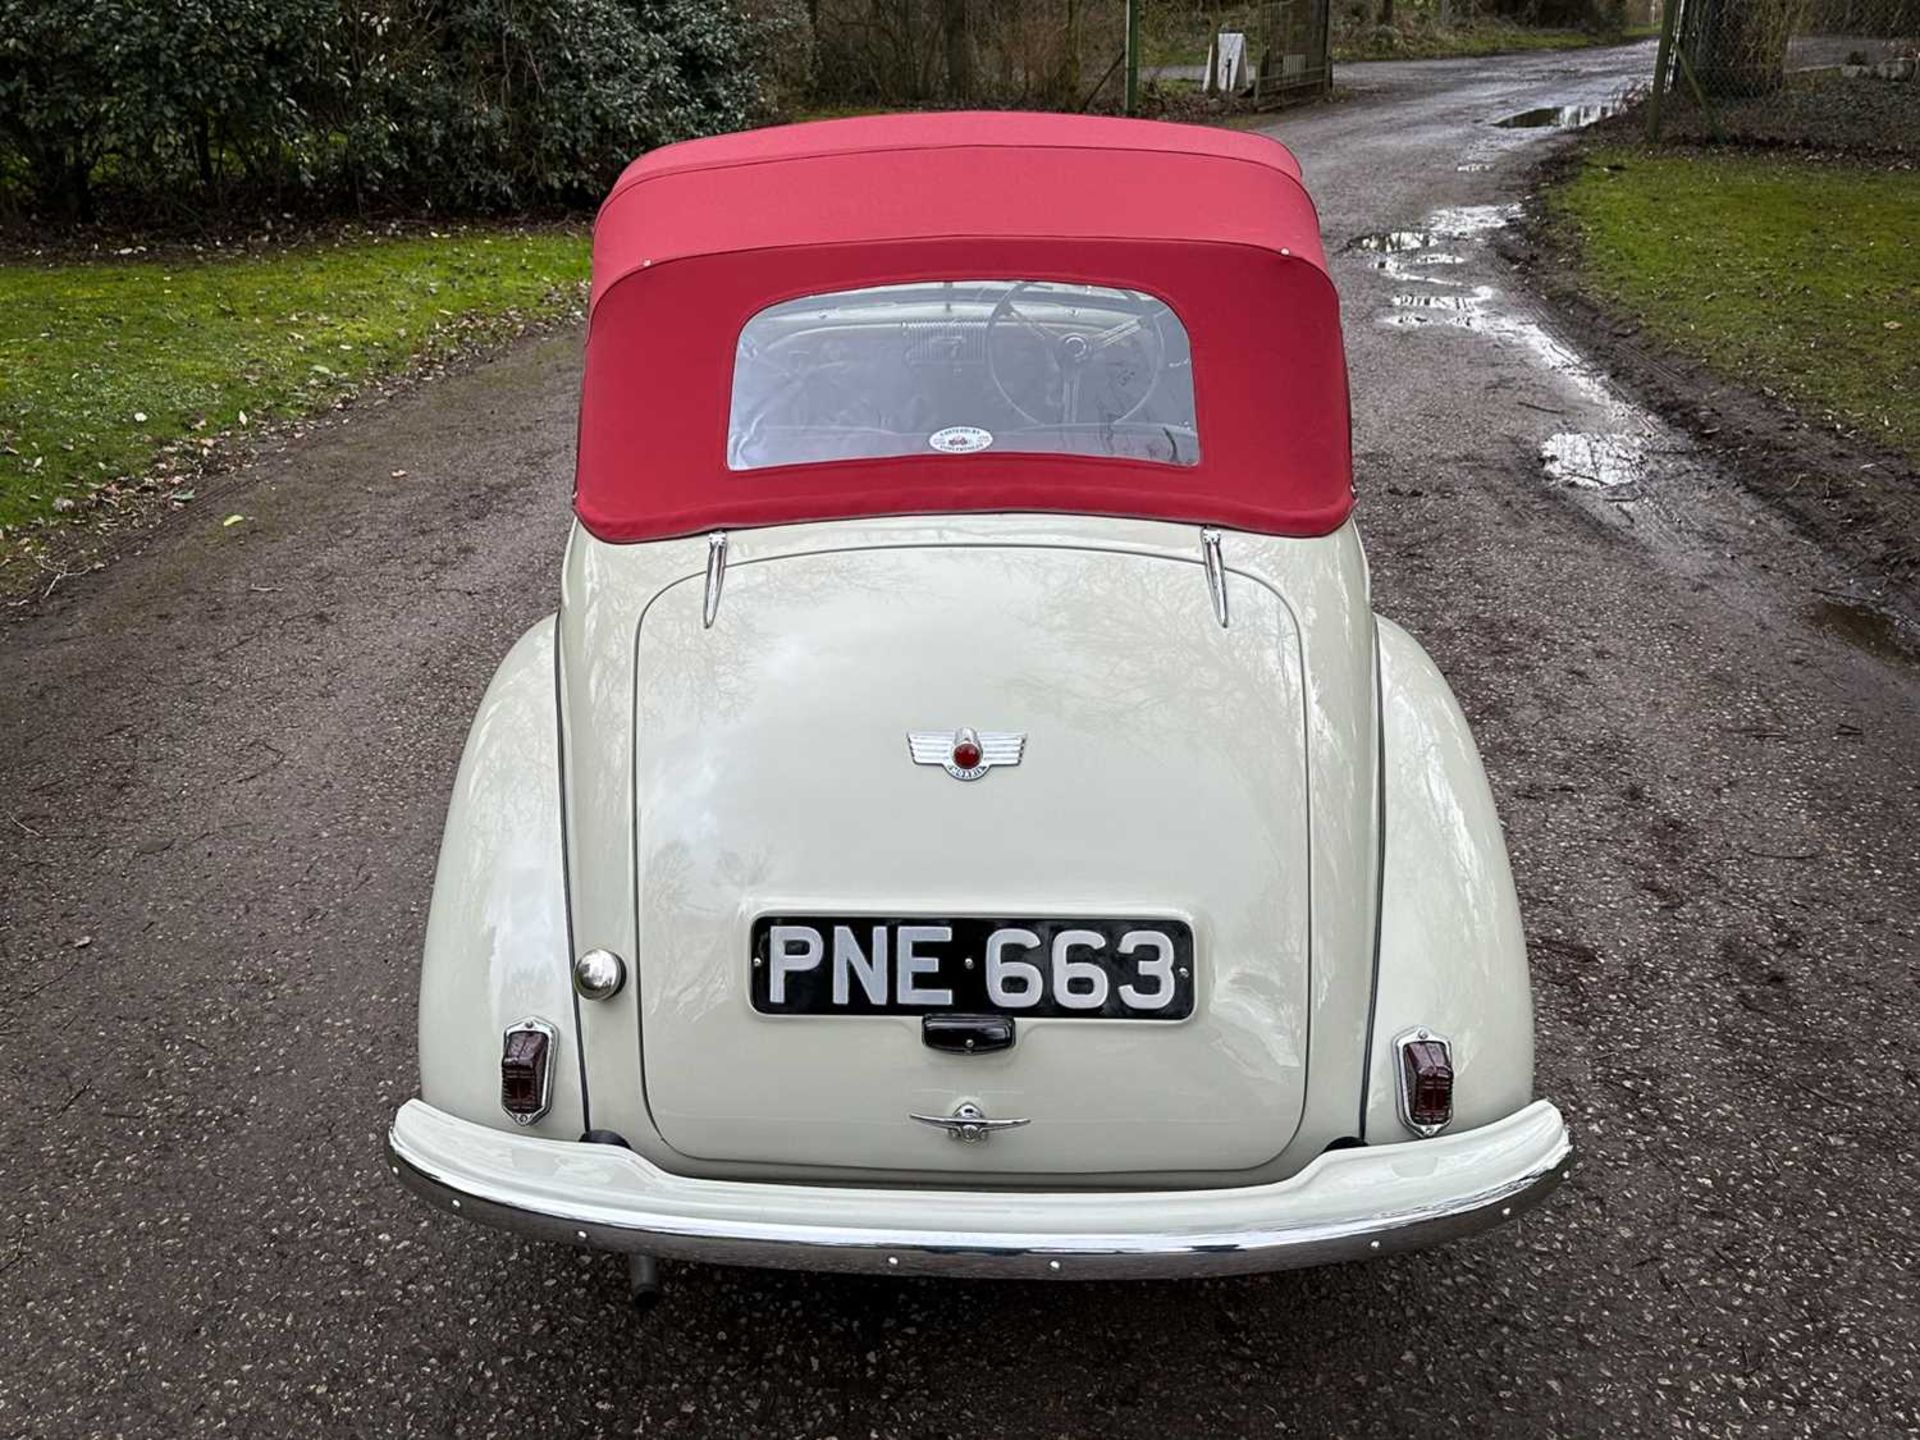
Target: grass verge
<point>1177,36</point>
<point>1423,42</point>
<point>1796,276</point>
<point>112,369</point>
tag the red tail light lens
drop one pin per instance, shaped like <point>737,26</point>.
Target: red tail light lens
<point>526,1071</point>
<point>1426,1082</point>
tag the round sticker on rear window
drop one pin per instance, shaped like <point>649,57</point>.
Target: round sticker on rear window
<point>960,439</point>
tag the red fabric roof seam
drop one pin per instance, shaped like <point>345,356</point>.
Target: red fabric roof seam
<point>1012,129</point>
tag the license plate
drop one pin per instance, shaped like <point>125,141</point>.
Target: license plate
<point>864,965</point>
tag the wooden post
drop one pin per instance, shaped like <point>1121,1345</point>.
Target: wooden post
<point>1662,66</point>
<point>957,34</point>
<point>1133,57</point>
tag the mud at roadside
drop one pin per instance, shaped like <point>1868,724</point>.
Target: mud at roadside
<point>1626,464</point>
<point>1857,500</point>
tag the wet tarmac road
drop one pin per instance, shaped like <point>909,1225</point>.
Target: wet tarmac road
<point>223,766</point>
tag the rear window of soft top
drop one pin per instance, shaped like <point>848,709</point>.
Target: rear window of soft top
<point>963,366</point>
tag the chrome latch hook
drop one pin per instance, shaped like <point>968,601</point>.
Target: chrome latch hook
<point>968,1123</point>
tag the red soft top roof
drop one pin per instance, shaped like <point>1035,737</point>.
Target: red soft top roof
<point>695,238</point>
<point>1014,128</point>
<point>826,183</point>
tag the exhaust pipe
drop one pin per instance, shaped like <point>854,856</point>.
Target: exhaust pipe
<point>643,1282</point>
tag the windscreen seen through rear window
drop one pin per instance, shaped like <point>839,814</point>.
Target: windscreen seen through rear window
<point>960,366</point>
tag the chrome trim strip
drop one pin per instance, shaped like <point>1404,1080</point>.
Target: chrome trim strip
<point>741,1240</point>
<point>566,838</point>
<point>716,577</point>
<point>1379,887</point>
<point>1216,573</point>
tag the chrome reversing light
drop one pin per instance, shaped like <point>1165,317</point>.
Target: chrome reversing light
<point>599,975</point>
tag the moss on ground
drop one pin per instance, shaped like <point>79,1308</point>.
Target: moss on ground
<point>1797,276</point>
<point>107,364</point>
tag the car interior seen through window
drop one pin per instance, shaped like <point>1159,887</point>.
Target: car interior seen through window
<point>961,366</point>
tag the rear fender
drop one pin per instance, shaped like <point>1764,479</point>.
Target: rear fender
<point>497,941</point>
<point>1452,956</point>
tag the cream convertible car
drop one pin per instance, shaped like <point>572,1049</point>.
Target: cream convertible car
<point>965,817</point>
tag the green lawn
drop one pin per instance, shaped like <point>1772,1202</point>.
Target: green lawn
<point>104,362</point>
<point>1799,276</point>
<point>1180,35</point>
<point>1489,38</point>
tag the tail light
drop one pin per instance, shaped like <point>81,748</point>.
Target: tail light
<point>1426,1081</point>
<point>526,1070</point>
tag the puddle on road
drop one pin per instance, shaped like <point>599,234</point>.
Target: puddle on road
<point>1432,301</point>
<point>1412,257</point>
<point>1558,117</point>
<point>1427,257</point>
<point>1606,454</point>
<point>1431,292</point>
<point>1477,309</point>
<point>1867,627</point>
<point>1504,136</point>
<point>1392,242</point>
<point>1595,462</point>
<point>1456,222</point>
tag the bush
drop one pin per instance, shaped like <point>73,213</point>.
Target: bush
<point>781,52</point>
<point>502,104</point>
<point>455,104</point>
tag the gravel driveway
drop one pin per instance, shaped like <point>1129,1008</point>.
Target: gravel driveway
<point>224,762</point>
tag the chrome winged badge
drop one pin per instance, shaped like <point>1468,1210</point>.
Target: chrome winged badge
<point>966,754</point>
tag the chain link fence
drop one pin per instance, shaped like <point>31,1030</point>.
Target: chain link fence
<point>1834,75</point>
<point>1291,42</point>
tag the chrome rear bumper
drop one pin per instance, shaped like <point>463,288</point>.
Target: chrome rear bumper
<point>1346,1204</point>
